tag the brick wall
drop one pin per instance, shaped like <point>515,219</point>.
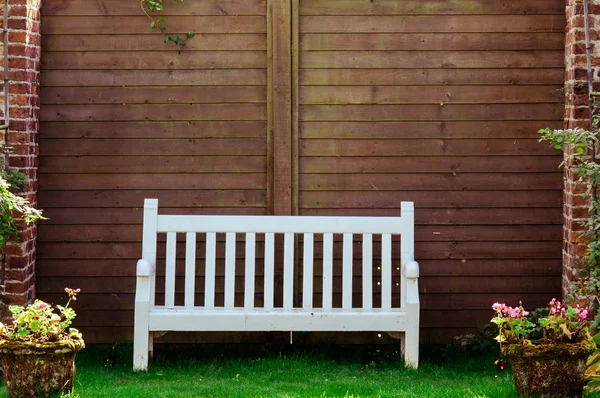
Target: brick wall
<point>24,51</point>
<point>577,115</point>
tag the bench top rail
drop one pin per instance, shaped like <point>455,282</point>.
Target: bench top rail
<point>284,224</point>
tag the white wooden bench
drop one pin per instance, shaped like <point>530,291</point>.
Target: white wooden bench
<point>151,317</point>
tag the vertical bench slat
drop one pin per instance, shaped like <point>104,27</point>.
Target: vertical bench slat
<point>307,291</point>
<point>229,269</point>
<point>347,272</point>
<point>367,276</point>
<point>250,267</point>
<point>269,269</point>
<point>209,276</point>
<point>327,271</point>
<point>386,271</point>
<point>170,269</point>
<point>288,271</point>
<point>190,268</point>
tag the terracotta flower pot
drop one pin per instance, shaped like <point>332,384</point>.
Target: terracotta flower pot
<point>39,370</point>
<point>549,370</point>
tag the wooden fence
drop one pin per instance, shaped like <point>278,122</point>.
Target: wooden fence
<point>306,107</point>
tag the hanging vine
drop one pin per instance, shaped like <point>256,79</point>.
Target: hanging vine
<point>158,24</point>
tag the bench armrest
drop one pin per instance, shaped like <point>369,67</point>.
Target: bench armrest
<point>411,270</point>
<point>145,268</point>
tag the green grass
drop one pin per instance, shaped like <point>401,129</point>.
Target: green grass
<point>290,371</point>
<point>337,371</point>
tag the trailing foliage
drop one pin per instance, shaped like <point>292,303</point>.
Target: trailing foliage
<point>11,207</point>
<point>577,145</point>
<point>151,6</point>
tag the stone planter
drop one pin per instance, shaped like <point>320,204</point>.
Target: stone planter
<point>39,370</point>
<point>550,370</point>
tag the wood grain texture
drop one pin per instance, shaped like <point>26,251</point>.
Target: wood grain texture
<point>125,25</point>
<point>155,60</point>
<point>438,102</point>
<point>282,107</point>
<point>432,24</point>
<point>132,42</point>
<point>435,7</point>
<point>117,7</point>
<point>430,41</point>
<point>425,77</point>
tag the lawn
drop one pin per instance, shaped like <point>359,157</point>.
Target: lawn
<point>338,371</point>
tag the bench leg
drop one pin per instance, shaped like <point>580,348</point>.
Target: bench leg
<point>142,339</point>
<point>411,339</point>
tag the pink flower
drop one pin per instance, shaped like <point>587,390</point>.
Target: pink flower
<point>40,305</point>
<point>583,314</point>
<point>497,307</point>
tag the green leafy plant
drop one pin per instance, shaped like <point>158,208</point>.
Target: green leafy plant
<point>562,325</point>
<point>39,323</point>
<point>13,207</point>
<point>592,374</point>
<point>158,24</point>
<point>578,145</point>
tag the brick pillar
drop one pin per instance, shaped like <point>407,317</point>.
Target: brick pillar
<point>577,114</point>
<point>24,51</point>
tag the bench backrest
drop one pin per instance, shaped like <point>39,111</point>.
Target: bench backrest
<point>272,229</point>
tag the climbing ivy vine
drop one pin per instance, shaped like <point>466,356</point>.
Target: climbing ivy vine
<point>149,7</point>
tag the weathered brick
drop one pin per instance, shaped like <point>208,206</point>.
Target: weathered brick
<point>24,51</point>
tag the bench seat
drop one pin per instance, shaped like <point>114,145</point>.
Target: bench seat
<point>276,319</point>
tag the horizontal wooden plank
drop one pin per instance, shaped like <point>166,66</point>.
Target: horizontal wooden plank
<point>174,129</point>
<point>468,216</point>
<point>154,95</point>
<point>425,41</point>
<point>434,216</point>
<point>143,112</point>
<point>118,7</point>
<point>431,182</point>
<point>433,24</point>
<point>119,216</point>
<point>385,199</point>
<point>420,77</point>
<point>342,95</point>
<point>428,59</point>
<point>214,42</point>
<point>455,112</point>
<point>424,233</point>
<point>124,268</point>
<point>425,129</point>
<point>171,198</point>
<point>425,250</point>
<point>151,164</point>
<point>204,77</point>
<point>154,60</point>
<point>154,147</point>
<point>151,181</point>
<point>431,285</point>
<point>442,301</point>
<point>444,7</point>
<point>422,147</point>
<point>125,25</point>
<point>98,318</point>
<point>430,164</point>
<point>429,318</point>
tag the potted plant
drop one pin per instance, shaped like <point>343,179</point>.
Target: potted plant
<point>38,349</point>
<point>548,354</point>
